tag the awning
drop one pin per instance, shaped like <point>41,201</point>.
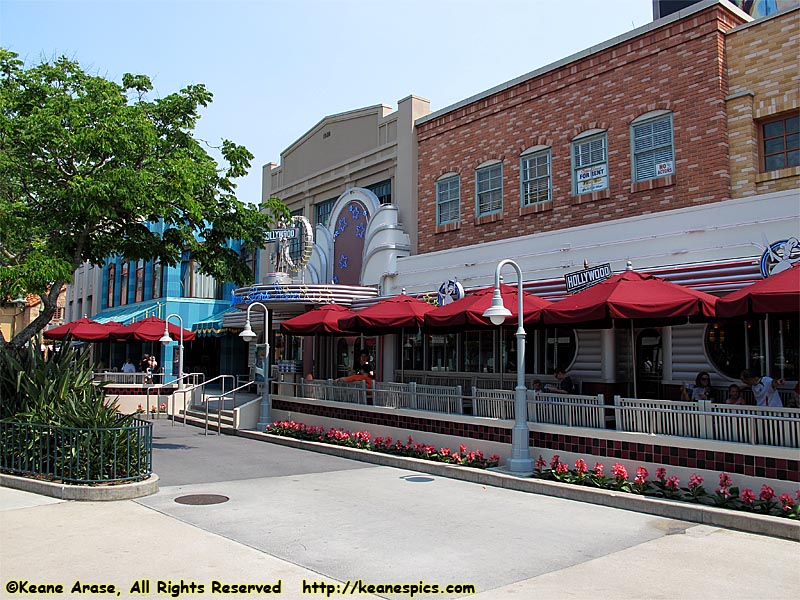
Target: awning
<point>212,326</point>
<point>129,313</point>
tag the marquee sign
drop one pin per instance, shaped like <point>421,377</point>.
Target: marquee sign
<point>779,256</point>
<point>580,280</point>
<point>449,291</point>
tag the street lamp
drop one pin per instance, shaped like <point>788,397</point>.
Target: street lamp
<point>248,335</point>
<point>520,461</point>
<point>166,340</point>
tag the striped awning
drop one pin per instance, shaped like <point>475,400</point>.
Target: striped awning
<point>127,314</point>
<point>213,326</point>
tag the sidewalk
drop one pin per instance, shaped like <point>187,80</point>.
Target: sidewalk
<point>296,516</point>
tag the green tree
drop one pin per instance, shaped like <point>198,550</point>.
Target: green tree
<point>87,163</point>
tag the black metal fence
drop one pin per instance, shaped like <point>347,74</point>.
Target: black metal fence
<point>75,455</point>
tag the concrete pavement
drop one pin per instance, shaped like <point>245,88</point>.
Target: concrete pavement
<point>298,516</point>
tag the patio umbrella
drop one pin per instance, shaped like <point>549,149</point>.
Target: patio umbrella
<point>389,315</point>
<point>639,298</point>
<point>776,294</point>
<point>150,330</point>
<point>324,319</point>
<point>84,330</point>
<point>468,312</point>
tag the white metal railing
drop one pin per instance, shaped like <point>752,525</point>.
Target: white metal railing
<point>354,392</point>
<point>759,425</point>
<point>571,410</point>
<point>664,417</point>
<point>699,420</point>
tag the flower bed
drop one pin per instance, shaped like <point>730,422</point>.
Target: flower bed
<point>725,496</point>
<point>363,440</point>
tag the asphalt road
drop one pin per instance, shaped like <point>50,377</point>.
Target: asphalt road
<point>302,517</point>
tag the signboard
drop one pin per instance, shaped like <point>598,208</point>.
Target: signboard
<point>281,234</point>
<point>580,280</point>
<point>779,256</point>
<point>665,168</point>
<point>592,179</point>
<point>449,291</point>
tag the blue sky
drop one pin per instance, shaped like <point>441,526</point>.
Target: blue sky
<point>276,67</point>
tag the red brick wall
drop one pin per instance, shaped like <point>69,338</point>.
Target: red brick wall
<point>679,67</point>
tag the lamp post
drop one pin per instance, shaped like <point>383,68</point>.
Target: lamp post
<point>166,340</point>
<point>520,461</point>
<point>248,335</point>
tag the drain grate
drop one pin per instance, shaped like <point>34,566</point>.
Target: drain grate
<point>201,499</point>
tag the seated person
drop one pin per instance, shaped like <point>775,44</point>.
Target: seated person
<point>364,366</point>
<point>564,385</point>
<point>702,387</point>
<point>537,385</point>
<point>735,395</point>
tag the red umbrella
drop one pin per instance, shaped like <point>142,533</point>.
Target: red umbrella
<point>324,319</point>
<point>468,312</point>
<point>84,330</point>
<point>151,329</point>
<point>632,296</point>
<point>776,294</point>
<point>389,315</point>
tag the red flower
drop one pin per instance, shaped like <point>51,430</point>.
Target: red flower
<point>767,493</point>
<point>641,475</point>
<point>540,464</point>
<point>725,480</point>
<point>619,471</point>
<point>598,469</point>
<point>673,483</point>
<point>748,497</point>
<point>581,467</point>
<point>661,472</point>
<point>786,501</point>
<point>554,461</point>
<point>696,481</point>
<point>561,468</point>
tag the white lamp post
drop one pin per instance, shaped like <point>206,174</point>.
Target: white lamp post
<point>520,461</point>
<point>166,340</point>
<point>248,335</point>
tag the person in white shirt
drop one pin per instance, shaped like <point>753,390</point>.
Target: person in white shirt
<point>128,367</point>
<point>765,389</point>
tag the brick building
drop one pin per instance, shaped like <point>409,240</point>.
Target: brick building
<point>618,153</point>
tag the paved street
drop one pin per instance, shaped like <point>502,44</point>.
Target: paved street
<point>294,515</point>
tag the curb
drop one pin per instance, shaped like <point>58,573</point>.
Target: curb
<point>708,515</point>
<point>84,493</point>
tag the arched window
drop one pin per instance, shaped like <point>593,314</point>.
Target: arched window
<point>535,176</point>
<point>590,162</point>
<point>448,199</point>
<point>652,148</point>
<point>489,188</point>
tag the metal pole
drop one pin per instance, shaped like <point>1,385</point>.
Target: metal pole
<point>265,417</point>
<point>520,461</point>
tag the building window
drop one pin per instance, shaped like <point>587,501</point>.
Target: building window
<point>322,211</point>
<point>139,285</point>
<point>157,279</point>
<point>448,199</point>
<point>112,275</point>
<point>296,243</point>
<point>734,346</point>
<point>195,284</point>
<point>535,173</point>
<point>489,189</point>
<point>653,153</point>
<point>590,164</point>
<point>124,282</point>
<point>781,143</point>
<point>383,190</point>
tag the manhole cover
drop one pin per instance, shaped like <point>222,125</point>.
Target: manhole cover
<point>201,499</point>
